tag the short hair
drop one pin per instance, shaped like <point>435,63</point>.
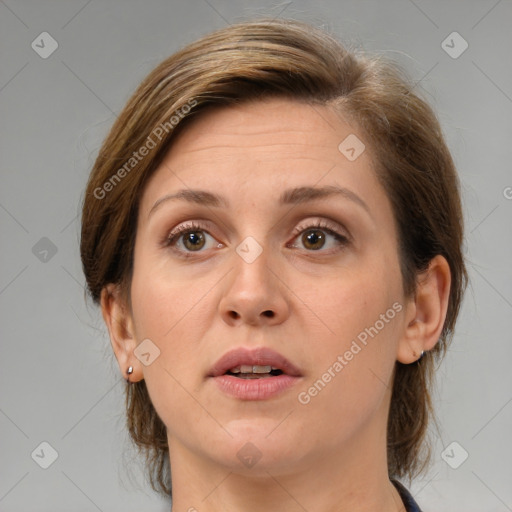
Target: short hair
<point>262,59</point>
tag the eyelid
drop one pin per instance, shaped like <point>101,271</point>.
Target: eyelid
<point>323,223</point>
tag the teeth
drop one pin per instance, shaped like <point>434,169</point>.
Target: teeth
<point>246,368</point>
<point>260,369</point>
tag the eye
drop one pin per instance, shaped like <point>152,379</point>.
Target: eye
<point>192,237</point>
<point>315,237</point>
<point>189,237</point>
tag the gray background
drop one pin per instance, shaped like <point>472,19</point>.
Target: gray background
<point>58,379</point>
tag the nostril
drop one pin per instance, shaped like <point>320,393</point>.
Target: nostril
<point>268,313</point>
<point>234,314</point>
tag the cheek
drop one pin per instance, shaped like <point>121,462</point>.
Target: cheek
<point>354,361</point>
<point>355,300</point>
<point>172,315</point>
<point>163,298</point>
<point>174,311</point>
<point>356,317</point>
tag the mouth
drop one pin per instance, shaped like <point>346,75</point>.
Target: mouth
<point>257,374</point>
<point>259,363</point>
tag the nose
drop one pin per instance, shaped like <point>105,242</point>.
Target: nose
<point>254,294</point>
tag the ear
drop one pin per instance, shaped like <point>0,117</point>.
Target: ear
<point>426,311</point>
<point>119,321</point>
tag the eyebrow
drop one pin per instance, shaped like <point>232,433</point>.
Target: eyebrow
<point>291,196</point>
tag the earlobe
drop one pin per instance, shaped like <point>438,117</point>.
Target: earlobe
<point>426,312</point>
<point>119,322</point>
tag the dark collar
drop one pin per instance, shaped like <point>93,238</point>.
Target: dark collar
<point>410,504</point>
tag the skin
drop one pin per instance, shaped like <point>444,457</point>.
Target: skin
<point>329,454</point>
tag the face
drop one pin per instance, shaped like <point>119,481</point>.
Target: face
<point>264,261</point>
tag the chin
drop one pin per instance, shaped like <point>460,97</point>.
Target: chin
<point>258,448</point>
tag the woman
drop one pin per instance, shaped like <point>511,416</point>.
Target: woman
<point>273,230</point>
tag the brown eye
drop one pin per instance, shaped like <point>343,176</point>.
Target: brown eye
<point>193,240</point>
<point>319,236</point>
<point>190,238</point>
<point>313,239</point>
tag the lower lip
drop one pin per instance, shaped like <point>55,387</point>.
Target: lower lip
<point>255,389</point>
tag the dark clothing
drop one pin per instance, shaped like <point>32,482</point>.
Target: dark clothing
<point>410,504</point>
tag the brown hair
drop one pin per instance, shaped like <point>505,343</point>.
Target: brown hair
<point>293,60</point>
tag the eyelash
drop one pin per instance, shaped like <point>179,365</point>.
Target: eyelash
<point>323,226</point>
<point>174,236</point>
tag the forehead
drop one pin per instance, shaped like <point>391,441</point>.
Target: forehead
<point>261,146</point>
<point>273,126</point>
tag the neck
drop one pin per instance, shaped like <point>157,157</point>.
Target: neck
<point>352,478</point>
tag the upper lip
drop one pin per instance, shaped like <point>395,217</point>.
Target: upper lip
<point>262,356</point>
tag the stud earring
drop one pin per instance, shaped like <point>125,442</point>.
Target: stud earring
<point>129,372</point>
